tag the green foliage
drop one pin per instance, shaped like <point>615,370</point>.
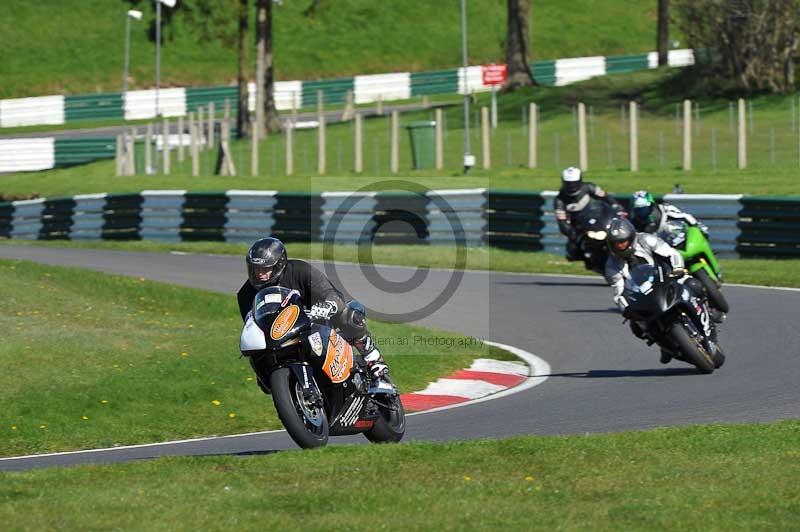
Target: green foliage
<point>47,48</point>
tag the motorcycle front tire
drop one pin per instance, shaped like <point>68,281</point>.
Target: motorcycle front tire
<point>283,384</point>
<point>715,297</point>
<point>694,353</point>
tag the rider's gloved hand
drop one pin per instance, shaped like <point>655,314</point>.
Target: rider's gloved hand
<point>621,303</point>
<point>679,272</point>
<point>323,310</point>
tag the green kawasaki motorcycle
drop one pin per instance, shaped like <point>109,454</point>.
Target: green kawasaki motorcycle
<point>701,263</point>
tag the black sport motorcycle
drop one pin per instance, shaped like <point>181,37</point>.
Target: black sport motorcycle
<point>320,386</point>
<point>591,226</point>
<point>671,315</point>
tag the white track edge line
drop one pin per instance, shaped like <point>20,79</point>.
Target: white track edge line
<point>536,365</point>
<point>138,446</point>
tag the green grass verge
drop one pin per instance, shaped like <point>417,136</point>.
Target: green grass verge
<point>717,477</point>
<point>93,360</point>
<point>766,272</point>
<point>404,35</point>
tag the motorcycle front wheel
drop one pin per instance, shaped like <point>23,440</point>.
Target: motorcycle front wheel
<point>391,426</point>
<point>694,353</point>
<point>305,422</point>
<point>715,296</point>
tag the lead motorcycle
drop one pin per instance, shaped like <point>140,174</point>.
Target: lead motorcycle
<point>321,387</point>
<point>672,316</point>
<point>591,225</point>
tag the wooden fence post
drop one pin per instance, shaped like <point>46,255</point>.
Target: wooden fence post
<point>439,140</point>
<point>532,132</point>
<point>583,155</point>
<point>395,151</point>
<point>687,134</point>
<point>148,150</point>
<point>359,162</point>
<point>118,156</point>
<point>180,139</point>
<point>487,156</point>
<point>321,145</point>
<point>289,132</point>
<point>742,136</point>
<point>165,145</point>
<point>634,132</point>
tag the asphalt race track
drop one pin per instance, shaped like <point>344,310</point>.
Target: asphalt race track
<point>602,378</point>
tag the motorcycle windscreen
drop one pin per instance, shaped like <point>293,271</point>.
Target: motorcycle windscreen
<point>268,301</point>
<point>338,359</point>
<point>641,278</point>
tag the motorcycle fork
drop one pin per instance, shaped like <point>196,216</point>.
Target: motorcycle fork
<point>305,376</point>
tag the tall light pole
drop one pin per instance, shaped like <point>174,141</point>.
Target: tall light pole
<point>132,14</point>
<point>469,159</point>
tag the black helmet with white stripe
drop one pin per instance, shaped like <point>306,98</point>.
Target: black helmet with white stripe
<point>571,181</point>
<point>266,259</point>
<point>621,235</point>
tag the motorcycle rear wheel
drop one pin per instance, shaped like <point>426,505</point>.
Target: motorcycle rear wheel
<point>306,424</point>
<point>715,297</point>
<point>694,353</point>
<point>391,426</point>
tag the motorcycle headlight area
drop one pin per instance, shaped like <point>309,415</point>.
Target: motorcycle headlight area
<point>596,235</point>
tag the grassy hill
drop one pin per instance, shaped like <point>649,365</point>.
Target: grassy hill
<point>77,46</point>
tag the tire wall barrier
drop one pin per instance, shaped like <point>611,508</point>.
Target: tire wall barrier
<point>740,226</point>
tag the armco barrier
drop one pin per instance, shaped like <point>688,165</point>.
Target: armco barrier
<point>740,225</point>
<point>770,227</point>
<point>514,220</point>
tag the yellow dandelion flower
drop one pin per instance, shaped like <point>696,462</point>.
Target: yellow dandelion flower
<point>529,478</point>
<point>184,354</point>
<point>232,415</point>
<point>467,478</point>
<point>84,418</point>
<point>42,426</point>
<point>13,427</point>
<point>191,326</point>
<point>215,402</point>
<point>103,402</point>
<point>249,378</point>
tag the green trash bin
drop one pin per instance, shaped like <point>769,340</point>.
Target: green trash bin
<point>423,143</point>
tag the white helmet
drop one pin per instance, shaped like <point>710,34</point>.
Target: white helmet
<point>571,180</point>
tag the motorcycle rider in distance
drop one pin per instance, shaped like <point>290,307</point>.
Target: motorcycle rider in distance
<point>268,265</point>
<point>628,249</point>
<point>662,219</point>
<point>574,196</point>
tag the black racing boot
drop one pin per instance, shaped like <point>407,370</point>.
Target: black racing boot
<point>666,356</point>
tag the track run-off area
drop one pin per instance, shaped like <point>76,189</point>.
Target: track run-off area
<point>600,377</point>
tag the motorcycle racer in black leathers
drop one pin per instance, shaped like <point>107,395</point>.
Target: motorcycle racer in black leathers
<point>628,249</point>
<point>574,196</point>
<point>268,265</point>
